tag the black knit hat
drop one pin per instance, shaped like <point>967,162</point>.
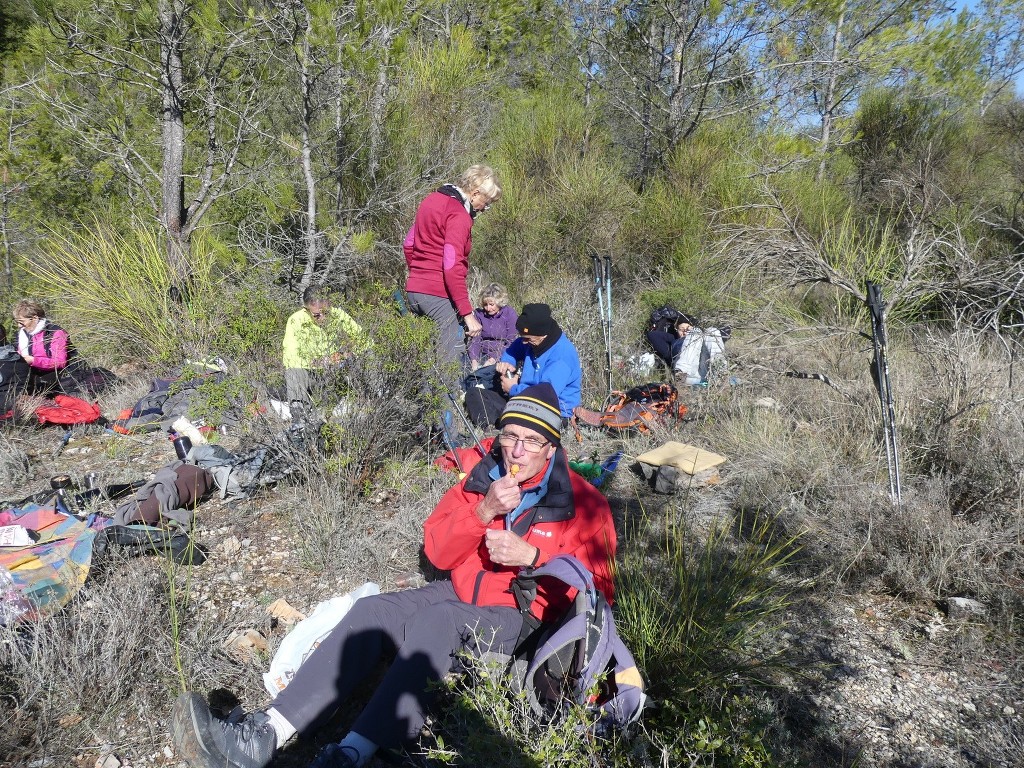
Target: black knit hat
<point>535,408</point>
<point>535,320</point>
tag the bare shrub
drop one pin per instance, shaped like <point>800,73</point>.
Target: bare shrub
<point>966,422</point>
<point>379,535</point>
<point>358,500</point>
<point>813,456</point>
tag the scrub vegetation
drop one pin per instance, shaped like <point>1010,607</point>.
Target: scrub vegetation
<point>173,173</point>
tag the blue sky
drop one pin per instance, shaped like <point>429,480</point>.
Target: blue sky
<point>972,5</point>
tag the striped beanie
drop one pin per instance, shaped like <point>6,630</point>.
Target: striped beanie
<point>535,408</point>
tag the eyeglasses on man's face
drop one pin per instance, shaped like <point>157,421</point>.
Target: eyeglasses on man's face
<point>530,444</point>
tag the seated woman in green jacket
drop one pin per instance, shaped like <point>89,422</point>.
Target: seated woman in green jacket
<point>317,340</point>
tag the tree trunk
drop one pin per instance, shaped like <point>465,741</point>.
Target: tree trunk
<point>172,178</point>
<point>377,105</point>
<point>828,103</point>
<point>310,233</point>
<point>5,192</point>
<point>339,143</point>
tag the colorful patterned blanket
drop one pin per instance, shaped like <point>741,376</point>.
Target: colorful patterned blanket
<point>47,573</point>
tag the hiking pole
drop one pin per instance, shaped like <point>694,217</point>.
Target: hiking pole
<point>446,427</point>
<point>599,288</point>
<point>64,440</point>
<point>608,317</point>
<point>603,308</point>
<point>880,372</point>
<point>472,432</point>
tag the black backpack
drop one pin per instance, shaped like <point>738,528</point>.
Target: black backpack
<point>663,319</point>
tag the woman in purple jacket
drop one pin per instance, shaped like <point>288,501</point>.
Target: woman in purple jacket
<point>498,329</point>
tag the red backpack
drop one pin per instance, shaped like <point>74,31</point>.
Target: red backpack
<point>68,410</point>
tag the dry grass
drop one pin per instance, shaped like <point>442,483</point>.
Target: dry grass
<point>801,454</point>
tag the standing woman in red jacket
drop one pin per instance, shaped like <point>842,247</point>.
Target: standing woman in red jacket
<point>437,254</point>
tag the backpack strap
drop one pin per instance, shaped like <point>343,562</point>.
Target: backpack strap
<point>48,331</point>
<point>566,569</point>
<point>524,588</point>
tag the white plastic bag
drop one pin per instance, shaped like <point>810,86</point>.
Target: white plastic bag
<point>308,634</point>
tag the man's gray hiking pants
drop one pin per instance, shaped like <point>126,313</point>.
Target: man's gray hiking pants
<point>423,628</point>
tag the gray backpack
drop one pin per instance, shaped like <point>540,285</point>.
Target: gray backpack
<point>578,659</point>
<point>240,476</point>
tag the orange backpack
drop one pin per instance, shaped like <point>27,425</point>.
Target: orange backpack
<point>636,409</point>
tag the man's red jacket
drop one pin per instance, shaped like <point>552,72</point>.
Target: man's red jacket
<point>572,518</point>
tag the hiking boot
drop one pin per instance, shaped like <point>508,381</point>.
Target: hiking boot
<point>205,741</point>
<point>335,756</point>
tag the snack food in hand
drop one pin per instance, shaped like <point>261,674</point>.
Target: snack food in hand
<point>514,470</point>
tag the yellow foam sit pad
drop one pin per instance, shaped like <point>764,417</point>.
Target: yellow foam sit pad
<point>689,458</point>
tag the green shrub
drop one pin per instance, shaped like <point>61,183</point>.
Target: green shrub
<point>251,326</point>
<point>483,721</point>
<point>214,400</point>
<point>695,614</point>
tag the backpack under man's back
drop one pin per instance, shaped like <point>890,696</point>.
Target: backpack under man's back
<point>578,659</point>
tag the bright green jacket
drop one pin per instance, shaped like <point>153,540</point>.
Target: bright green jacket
<point>309,345</point>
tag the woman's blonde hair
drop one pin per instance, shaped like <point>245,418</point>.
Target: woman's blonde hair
<point>480,177</point>
<point>494,291</point>
<point>28,308</point>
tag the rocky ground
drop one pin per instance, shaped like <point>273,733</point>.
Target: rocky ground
<point>884,683</point>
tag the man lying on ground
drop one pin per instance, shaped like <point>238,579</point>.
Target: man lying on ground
<point>519,507</point>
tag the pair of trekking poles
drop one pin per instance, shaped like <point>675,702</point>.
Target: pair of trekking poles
<point>880,374</point>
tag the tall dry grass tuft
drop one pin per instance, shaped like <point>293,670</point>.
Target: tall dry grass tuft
<point>96,672</point>
<point>112,288</point>
<point>15,465</point>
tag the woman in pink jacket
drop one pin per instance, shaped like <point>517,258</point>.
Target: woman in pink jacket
<point>437,255</point>
<point>54,364</point>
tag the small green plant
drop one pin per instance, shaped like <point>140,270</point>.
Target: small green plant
<point>215,400</point>
<point>693,613</point>
<point>119,447</point>
<point>485,721</point>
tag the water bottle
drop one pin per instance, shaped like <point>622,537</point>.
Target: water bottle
<point>182,445</point>
<point>186,428</point>
<point>65,488</point>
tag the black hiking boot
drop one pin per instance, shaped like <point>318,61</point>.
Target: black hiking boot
<point>205,741</point>
<point>335,756</point>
